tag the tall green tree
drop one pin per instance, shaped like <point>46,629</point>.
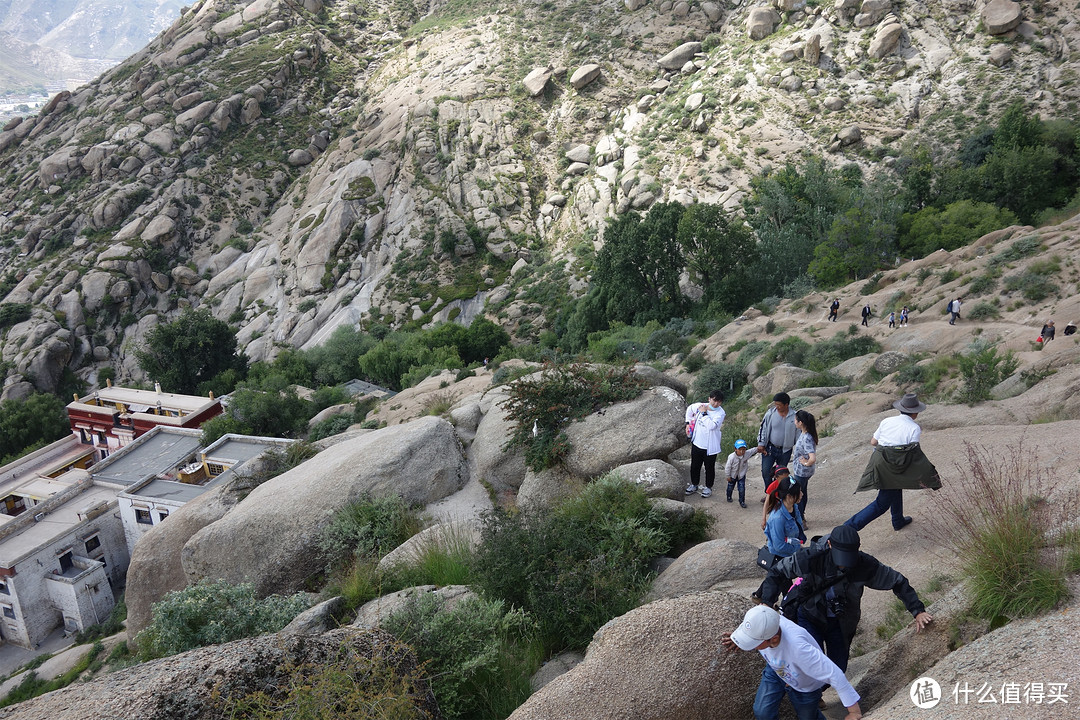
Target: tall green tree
<point>791,210</point>
<point>192,349</point>
<point>720,251</point>
<point>33,422</point>
<point>637,270</point>
<point>862,237</point>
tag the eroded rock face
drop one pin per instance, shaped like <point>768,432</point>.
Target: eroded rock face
<point>270,538</point>
<point>706,566</point>
<point>191,685</point>
<point>662,661</point>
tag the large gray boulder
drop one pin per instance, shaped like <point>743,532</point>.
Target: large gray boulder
<point>680,55</point>
<point>760,22</point>
<point>662,661</point>
<point>585,75</point>
<point>537,80</point>
<point>191,685</point>
<point>646,428</point>
<point>656,477</point>
<point>1001,16</point>
<point>706,566</point>
<point>885,40</point>
<point>782,378</point>
<point>501,469</point>
<point>270,538</point>
<point>547,487</point>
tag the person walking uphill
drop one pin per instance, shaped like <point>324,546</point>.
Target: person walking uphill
<point>703,424</point>
<point>954,310</point>
<point>794,666</point>
<point>866,315</point>
<point>827,601</point>
<point>735,469</point>
<point>776,436</point>
<point>834,309</point>
<point>897,463</point>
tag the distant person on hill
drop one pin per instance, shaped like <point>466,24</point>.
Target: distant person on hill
<point>892,319</point>
<point>776,436</point>
<point>954,310</point>
<point>834,309</point>
<point>735,469</point>
<point>1070,329</point>
<point>703,426</point>
<point>1048,332</point>
<point>897,463</point>
<point>866,315</point>
<point>903,317</point>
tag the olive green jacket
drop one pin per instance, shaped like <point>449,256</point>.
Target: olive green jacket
<point>904,467</point>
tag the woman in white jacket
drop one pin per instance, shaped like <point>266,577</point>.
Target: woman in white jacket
<point>703,424</point>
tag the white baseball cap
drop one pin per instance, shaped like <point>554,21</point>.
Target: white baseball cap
<point>760,623</point>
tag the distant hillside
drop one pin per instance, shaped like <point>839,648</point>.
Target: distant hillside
<point>45,43</point>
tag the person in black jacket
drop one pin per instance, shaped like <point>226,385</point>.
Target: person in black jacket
<point>826,601</point>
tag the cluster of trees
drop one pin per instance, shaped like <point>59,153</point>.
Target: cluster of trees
<point>813,225</point>
<point>197,353</point>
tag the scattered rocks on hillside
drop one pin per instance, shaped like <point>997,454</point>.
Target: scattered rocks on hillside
<point>1001,16</point>
<point>812,50</point>
<point>871,12</point>
<point>685,675</point>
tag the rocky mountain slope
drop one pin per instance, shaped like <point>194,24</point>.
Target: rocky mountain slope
<point>298,165</point>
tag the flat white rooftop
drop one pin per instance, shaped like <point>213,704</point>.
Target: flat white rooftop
<point>55,523</point>
<point>140,401</point>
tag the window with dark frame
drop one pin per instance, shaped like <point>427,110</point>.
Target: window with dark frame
<point>93,544</point>
<point>67,561</point>
<point>162,514</point>
<point>4,589</point>
<point>143,517</point>
<point>9,612</point>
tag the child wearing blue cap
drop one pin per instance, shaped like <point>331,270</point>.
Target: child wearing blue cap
<point>735,469</point>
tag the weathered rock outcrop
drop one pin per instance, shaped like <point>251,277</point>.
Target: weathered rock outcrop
<point>662,661</point>
<point>270,538</point>
<point>706,566</point>
<point>193,685</point>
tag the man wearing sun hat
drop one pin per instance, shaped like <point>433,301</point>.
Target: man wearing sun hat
<point>794,666</point>
<point>897,464</point>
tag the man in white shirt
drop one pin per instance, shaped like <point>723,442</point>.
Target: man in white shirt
<point>898,433</point>
<point>703,426</point>
<point>795,666</point>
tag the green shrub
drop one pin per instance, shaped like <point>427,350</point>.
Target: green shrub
<point>447,561</point>
<point>984,311</point>
<point>1020,249</point>
<point>982,368</point>
<point>369,527</point>
<point>329,427</point>
<point>540,408</point>
<point>999,533</point>
<point>214,612</point>
<point>825,355</point>
<point>694,362</point>
<point>13,314</point>
<point>576,566</point>
<point>791,349</point>
<point>727,377</point>
<point>478,655</point>
<point>1034,286</point>
<point>823,379</point>
<point>982,285</point>
<point>112,625</point>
